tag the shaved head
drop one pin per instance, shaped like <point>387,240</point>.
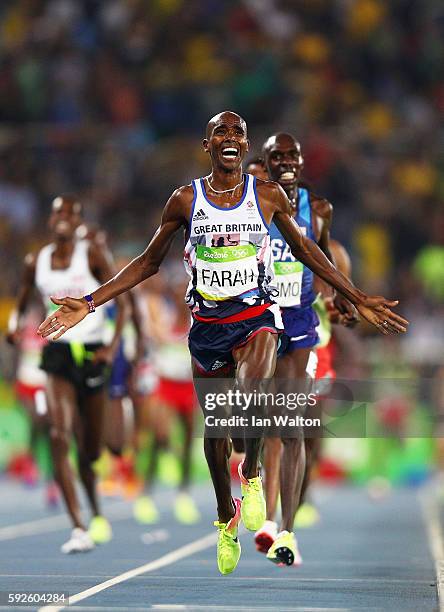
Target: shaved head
<point>227,117</point>
<point>282,139</point>
<point>283,161</point>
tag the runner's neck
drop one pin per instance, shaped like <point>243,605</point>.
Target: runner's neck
<point>223,181</point>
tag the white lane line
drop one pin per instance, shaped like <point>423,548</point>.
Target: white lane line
<point>168,559</point>
<point>430,515</point>
<point>116,512</point>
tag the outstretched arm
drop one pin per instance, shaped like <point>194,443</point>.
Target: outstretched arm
<point>376,309</point>
<point>73,310</point>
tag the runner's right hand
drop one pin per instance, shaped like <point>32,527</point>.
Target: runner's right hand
<point>71,312</point>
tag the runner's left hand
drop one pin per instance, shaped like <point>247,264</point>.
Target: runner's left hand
<point>376,310</point>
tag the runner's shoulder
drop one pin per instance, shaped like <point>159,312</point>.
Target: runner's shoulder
<point>184,193</point>
<point>179,203</point>
<point>270,191</point>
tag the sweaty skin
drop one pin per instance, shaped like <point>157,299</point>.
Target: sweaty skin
<point>223,130</point>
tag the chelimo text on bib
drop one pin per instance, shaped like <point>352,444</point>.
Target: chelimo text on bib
<point>288,278</point>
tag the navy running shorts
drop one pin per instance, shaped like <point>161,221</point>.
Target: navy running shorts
<point>211,344</point>
<point>299,329</point>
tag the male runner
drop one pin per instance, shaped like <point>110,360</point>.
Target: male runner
<point>236,322</point>
<point>75,365</point>
<point>283,163</point>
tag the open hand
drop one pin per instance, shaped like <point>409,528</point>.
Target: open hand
<point>376,310</point>
<point>71,312</point>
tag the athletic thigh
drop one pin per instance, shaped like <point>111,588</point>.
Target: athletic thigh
<point>293,365</point>
<point>257,358</point>
<point>91,423</point>
<point>62,403</point>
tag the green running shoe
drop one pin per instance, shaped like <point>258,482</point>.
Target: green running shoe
<point>145,511</point>
<point>228,545</point>
<point>185,510</point>
<point>253,501</point>
<point>284,550</point>
<point>100,530</point>
<point>306,516</point>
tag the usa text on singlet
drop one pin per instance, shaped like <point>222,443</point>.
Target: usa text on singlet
<point>294,280</point>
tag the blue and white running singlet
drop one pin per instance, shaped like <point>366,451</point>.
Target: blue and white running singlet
<point>294,281</point>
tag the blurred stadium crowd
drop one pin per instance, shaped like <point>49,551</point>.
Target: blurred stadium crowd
<point>109,99</point>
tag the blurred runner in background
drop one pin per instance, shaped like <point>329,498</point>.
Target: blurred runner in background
<point>75,365</point>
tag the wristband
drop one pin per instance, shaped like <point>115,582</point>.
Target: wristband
<point>90,301</point>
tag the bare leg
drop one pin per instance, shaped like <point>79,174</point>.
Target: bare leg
<point>62,406</point>
<point>312,452</point>
<point>287,467</point>
<point>90,439</point>
<point>256,362</point>
<point>291,477</point>
<point>115,426</point>
<point>272,464</point>
<point>217,453</point>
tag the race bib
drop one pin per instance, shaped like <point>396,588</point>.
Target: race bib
<point>226,272</point>
<point>288,279</point>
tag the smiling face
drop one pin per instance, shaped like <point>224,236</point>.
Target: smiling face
<point>283,160</point>
<point>65,217</point>
<point>226,140</point>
